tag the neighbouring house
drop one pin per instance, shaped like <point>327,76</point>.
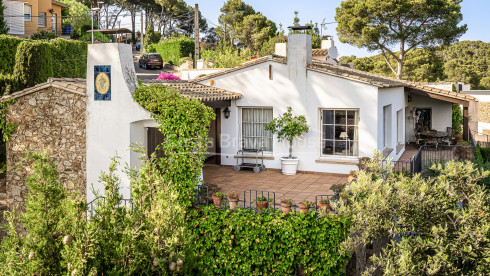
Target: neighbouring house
<point>25,18</point>
<point>351,113</point>
<point>482,129</point>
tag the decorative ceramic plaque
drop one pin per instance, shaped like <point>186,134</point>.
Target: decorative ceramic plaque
<point>102,76</point>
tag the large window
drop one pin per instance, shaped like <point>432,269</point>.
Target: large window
<point>254,135</point>
<point>27,13</point>
<point>340,132</point>
<point>41,19</point>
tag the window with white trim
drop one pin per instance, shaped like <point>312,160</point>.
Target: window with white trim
<point>399,127</point>
<point>27,13</point>
<point>387,127</point>
<point>41,19</point>
<point>340,132</point>
<point>254,135</point>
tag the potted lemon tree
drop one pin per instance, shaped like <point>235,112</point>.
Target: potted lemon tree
<point>287,127</point>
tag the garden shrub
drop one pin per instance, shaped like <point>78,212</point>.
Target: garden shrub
<point>9,83</point>
<point>174,49</point>
<point>69,58</point>
<point>8,49</point>
<point>226,56</point>
<point>184,124</point>
<point>148,237</point>
<point>43,35</point>
<point>435,226</point>
<point>33,62</point>
<point>244,242</point>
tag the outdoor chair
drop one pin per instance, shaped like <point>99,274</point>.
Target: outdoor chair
<point>432,138</point>
<point>419,140</point>
<point>449,138</point>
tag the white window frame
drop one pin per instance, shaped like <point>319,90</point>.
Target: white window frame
<point>241,140</point>
<point>41,17</point>
<point>400,127</point>
<point>387,127</point>
<point>322,139</point>
<point>29,14</point>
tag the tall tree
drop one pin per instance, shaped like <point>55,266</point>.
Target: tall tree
<point>232,14</point>
<point>384,24</point>
<point>3,25</point>
<point>255,30</point>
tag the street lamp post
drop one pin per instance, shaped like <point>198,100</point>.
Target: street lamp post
<point>93,9</point>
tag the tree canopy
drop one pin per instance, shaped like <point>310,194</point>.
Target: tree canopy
<point>406,24</point>
<point>465,61</point>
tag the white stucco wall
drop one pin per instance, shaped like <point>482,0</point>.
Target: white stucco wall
<point>189,74</point>
<point>306,92</point>
<point>113,125</point>
<point>441,114</point>
<point>396,98</point>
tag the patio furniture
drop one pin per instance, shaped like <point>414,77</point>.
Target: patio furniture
<point>250,154</point>
<point>449,138</point>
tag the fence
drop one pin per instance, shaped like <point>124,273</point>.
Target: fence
<point>252,199</point>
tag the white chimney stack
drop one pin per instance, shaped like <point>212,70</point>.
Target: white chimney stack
<point>299,51</point>
<point>327,44</point>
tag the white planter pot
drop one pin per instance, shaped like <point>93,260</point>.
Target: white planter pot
<point>289,166</point>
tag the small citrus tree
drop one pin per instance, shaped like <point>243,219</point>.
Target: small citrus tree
<point>287,127</point>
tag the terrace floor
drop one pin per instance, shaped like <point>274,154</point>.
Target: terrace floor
<point>299,187</point>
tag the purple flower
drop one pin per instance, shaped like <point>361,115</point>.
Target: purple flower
<point>165,76</point>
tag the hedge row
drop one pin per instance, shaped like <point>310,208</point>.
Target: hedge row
<point>173,50</point>
<point>29,62</point>
<point>243,242</point>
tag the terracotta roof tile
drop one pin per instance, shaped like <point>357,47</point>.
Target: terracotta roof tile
<point>319,52</point>
<point>197,91</point>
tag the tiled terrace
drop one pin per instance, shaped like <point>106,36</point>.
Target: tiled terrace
<point>300,187</point>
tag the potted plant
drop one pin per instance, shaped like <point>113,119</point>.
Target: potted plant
<point>233,200</point>
<point>286,205</point>
<point>324,204</point>
<point>287,127</point>
<point>218,198</point>
<point>262,202</point>
<point>304,206</point>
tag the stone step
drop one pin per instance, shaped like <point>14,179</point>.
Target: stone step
<point>3,196</point>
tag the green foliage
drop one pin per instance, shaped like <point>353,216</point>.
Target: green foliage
<point>232,14</point>
<point>174,49</point>
<point>382,24</point>
<point>269,47</point>
<point>184,124</point>
<point>77,15</point>
<point>467,61</point>
<point>33,62</point>
<point>287,127</point>
<point>254,30</point>
<point>3,24</point>
<point>69,58</point>
<point>147,238</point>
<point>482,161</point>
<point>457,119</point>
<point>243,242</point>
<point>8,48</point>
<point>436,226</point>
<point>226,56</point>
<point>43,35</point>
<point>152,37</point>
<point>8,84</point>
<point>87,37</point>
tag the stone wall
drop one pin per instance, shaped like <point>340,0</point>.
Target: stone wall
<point>484,112</point>
<point>51,119</point>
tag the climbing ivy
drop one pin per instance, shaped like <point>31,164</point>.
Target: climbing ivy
<point>6,128</point>
<point>184,124</point>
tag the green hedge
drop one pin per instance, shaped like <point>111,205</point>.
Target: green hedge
<point>8,49</point>
<point>33,62</point>
<point>174,49</point>
<point>9,83</point>
<point>243,242</point>
<point>69,58</point>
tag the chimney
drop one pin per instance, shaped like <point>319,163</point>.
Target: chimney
<point>299,51</point>
<point>281,49</point>
<point>327,44</point>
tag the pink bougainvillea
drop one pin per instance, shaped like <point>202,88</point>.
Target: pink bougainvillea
<point>165,76</point>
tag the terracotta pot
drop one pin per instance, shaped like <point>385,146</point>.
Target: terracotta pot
<point>458,137</point>
<point>217,200</point>
<point>285,207</point>
<point>303,208</point>
<point>324,206</point>
<point>262,204</point>
<point>233,203</point>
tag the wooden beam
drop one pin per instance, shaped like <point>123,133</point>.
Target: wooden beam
<point>437,97</point>
<point>218,104</point>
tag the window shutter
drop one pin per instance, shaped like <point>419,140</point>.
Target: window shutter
<point>12,12</point>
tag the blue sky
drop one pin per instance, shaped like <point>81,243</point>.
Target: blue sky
<point>476,14</point>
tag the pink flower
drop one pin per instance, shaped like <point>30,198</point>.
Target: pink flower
<point>165,76</point>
